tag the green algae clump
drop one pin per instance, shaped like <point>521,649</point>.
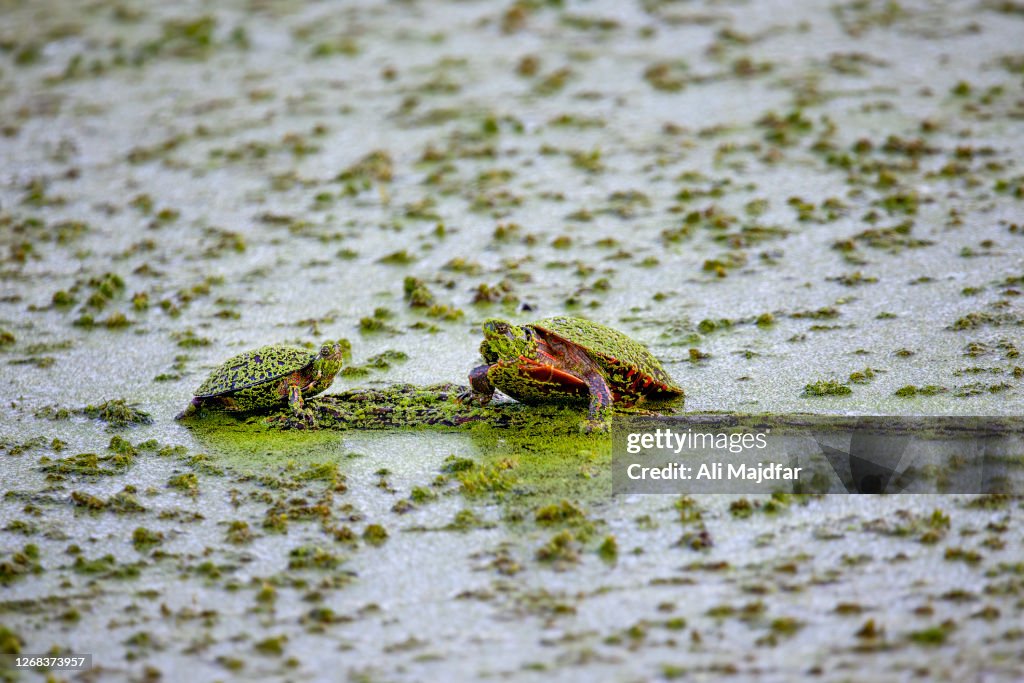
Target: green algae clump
<point>827,388</point>
<point>19,564</point>
<point>375,534</point>
<point>558,513</point>
<point>118,414</point>
<point>911,390</point>
<point>560,549</point>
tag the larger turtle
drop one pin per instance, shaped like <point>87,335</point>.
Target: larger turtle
<point>567,359</point>
<point>270,376</point>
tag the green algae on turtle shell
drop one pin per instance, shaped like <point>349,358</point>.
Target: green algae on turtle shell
<point>255,367</point>
<point>267,376</point>
<point>607,343</point>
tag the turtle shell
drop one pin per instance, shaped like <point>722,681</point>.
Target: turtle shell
<point>254,368</point>
<point>629,368</point>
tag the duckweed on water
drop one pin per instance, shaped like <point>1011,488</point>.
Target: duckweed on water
<point>489,479</point>
<point>911,390</point>
<point>453,464</point>
<point>609,549</point>
<point>125,502</point>
<point>107,567</point>
<point>144,539</point>
<point>827,388</point>
<point>466,520</point>
<point>272,646</point>
<point>560,550</point>
<point>19,564</point>
<point>87,464</point>
<point>187,482</point>
<point>118,414</point>
<point>862,376</point>
<point>559,513</point>
<point>375,534</point>
<point>312,557</point>
<point>87,500</point>
<point>676,264</point>
<point>932,636</point>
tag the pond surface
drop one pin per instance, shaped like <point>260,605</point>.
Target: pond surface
<point>781,199</point>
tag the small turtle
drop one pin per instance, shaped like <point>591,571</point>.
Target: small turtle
<point>571,360</point>
<point>268,376</point>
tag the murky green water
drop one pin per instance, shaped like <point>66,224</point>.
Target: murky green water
<point>801,191</point>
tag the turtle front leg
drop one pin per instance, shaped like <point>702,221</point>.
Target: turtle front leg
<point>191,410</point>
<point>600,414</point>
<point>481,390</point>
<point>298,406</point>
<point>312,383</point>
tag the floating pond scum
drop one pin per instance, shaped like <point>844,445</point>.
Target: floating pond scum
<point>806,212</point>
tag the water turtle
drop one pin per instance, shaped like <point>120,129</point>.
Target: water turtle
<point>268,376</point>
<point>568,359</point>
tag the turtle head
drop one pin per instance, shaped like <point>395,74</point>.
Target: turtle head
<point>332,356</point>
<point>503,340</point>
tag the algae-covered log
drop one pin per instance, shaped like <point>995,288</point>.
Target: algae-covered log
<point>437,405</point>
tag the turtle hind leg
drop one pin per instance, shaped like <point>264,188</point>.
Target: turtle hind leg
<point>599,416</point>
<point>298,406</point>
<point>191,410</point>
<point>481,390</point>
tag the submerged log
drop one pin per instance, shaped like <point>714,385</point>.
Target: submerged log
<point>437,406</point>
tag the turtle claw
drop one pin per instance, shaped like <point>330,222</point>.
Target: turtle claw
<point>470,397</point>
<point>297,418</point>
<point>306,419</point>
